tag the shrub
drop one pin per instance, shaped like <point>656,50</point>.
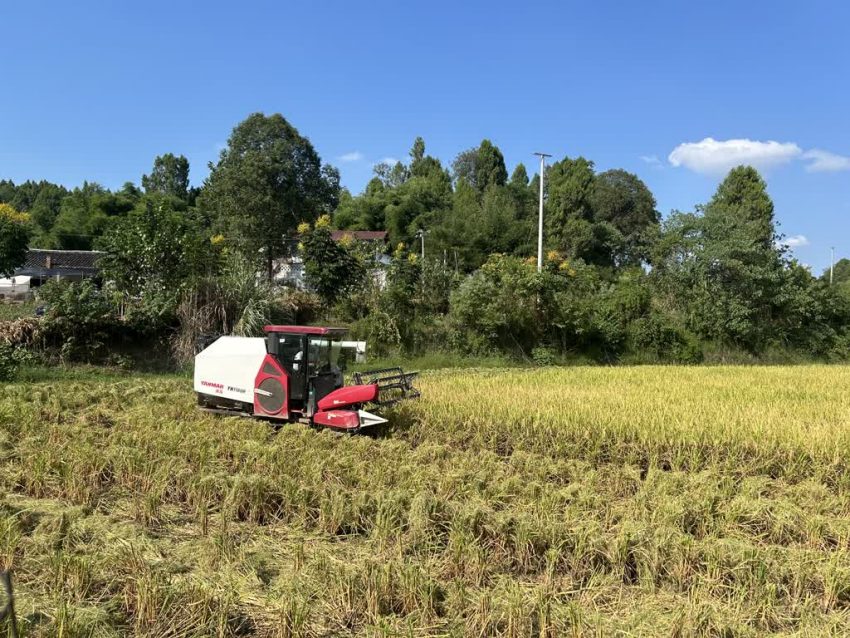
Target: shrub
<point>543,356</point>
<point>81,319</point>
<point>662,339</point>
<point>8,362</point>
<point>497,305</point>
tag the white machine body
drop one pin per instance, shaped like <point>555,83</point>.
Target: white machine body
<point>228,367</point>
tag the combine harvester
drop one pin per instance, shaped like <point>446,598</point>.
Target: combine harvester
<point>292,374</point>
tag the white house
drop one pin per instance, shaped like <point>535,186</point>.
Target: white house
<point>15,287</point>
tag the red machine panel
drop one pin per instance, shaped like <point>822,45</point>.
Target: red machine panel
<point>349,395</point>
<point>271,390</point>
<point>338,419</point>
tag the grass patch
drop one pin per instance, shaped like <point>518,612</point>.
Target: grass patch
<point>11,310</point>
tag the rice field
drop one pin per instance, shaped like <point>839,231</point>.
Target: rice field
<point>645,501</point>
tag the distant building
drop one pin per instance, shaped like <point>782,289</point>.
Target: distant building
<point>289,271</point>
<point>43,265</point>
<point>17,287</point>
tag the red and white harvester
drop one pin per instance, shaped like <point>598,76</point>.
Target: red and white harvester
<point>293,374</point>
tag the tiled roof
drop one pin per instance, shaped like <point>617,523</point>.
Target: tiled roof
<point>360,235</point>
<point>57,262</point>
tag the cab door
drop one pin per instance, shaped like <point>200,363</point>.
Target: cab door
<point>292,355</point>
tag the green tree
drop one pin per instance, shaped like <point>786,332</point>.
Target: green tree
<point>622,200</point>
<point>170,176</point>
<point>7,191</point>
<point>569,189</point>
<point>364,212</point>
<point>15,231</point>
<point>392,176</point>
<point>519,178</point>
<point>85,214</point>
<point>425,166</point>
<point>489,166</point>
<point>722,268</point>
<point>840,273</point>
<point>331,268</point>
<point>155,249</point>
<point>481,167</point>
<point>497,307</point>
<point>267,180</point>
<point>417,152</point>
<point>47,205</point>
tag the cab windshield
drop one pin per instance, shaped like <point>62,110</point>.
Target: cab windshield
<point>323,354</point>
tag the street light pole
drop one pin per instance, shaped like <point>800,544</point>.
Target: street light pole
<point>831,263</point>
<point>542,157</point>
<point>421,235</point>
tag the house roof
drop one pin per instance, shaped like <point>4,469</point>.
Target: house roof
<point>360,235</point>
<point>41,263</point>
<point>306,330</point>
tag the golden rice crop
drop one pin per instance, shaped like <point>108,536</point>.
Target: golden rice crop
<point>784,420</point>
<point>550,502</point>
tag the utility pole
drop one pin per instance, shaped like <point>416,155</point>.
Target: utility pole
<point>831,263</point>
<point>421,235</point>
<point>542,157</point>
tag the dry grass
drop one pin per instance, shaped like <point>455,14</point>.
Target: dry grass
<point>588,501</point>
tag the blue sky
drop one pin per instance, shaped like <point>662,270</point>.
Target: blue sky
<point>95,90</point>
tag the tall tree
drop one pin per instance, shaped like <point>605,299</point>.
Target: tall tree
<point>267,181</point>
<point>417,152</point>
<point>723,267</point>
<point>14,234</point>
<point>170,176</point>
<point>481,166</point>
<point>569,187</point>
<point>489,166</point>
<point>331,268</point>
<point>621,199</point>
<point>519,178</point>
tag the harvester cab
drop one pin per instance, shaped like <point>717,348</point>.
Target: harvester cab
<point>294,374</point>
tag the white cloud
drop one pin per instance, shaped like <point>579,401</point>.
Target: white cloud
<point>652,160</point>
<point>718,156</point>
<point>353,156</point>
<point>825,162</point>
<point>392,161</point>
<point>794,241</point>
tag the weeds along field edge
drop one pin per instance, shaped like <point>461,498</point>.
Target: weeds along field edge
<point>127,511</point>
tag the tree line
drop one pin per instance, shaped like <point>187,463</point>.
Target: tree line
<point>618,283</point>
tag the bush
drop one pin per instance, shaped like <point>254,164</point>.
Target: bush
<point>379,330</point>
<point>659,337</point>
<point>496,307</point>
<point>81,320</point>
<point>543,356</point>
<point>8,362</point>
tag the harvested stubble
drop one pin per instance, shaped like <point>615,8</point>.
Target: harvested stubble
<point>585,501</point>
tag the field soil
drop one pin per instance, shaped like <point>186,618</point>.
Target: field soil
<point>644,501</point>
